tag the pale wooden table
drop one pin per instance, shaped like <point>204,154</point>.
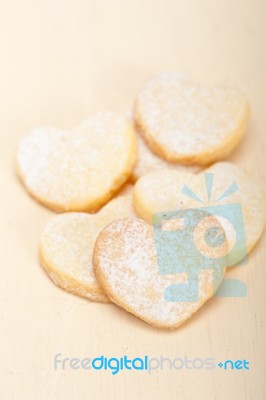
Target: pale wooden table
<point>61,60</point>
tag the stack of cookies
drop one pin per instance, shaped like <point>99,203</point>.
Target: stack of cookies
<point>111,176</point>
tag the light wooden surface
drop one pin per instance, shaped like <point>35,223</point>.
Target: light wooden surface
<point>61,60</point>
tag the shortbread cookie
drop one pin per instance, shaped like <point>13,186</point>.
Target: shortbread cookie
<point>164,191</point>
<point>125,263</point>
<point>184,122</point>
<point>67,243</point>
<point>148,161</point>
<point>78,170</point>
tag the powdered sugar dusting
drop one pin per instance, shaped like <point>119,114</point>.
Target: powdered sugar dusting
<point>125,257</point>
<point>187,119</point>
<point>73,170</point>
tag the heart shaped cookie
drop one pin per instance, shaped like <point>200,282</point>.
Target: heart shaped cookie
<point>184,122</point>
<point>125,259</point>
<point>78,170</point>
<point>67,243</point>
<point>226,186</point>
